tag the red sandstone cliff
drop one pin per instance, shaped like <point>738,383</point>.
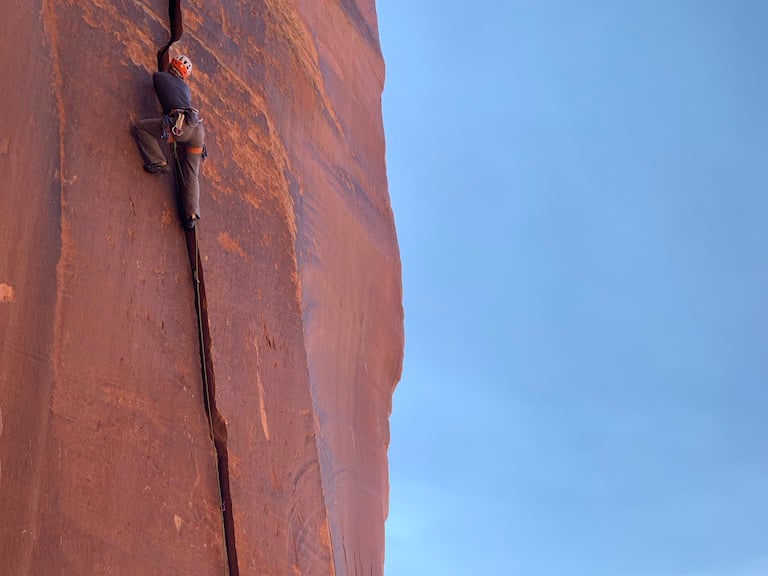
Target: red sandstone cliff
<point>106,464</point>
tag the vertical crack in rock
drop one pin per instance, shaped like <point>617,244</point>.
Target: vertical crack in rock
<point>218,426</point>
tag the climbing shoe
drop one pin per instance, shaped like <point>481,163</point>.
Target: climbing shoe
<point>157,168</point>
<point>189,224</point>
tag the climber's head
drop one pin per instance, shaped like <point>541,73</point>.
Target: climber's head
<point>181,65</point>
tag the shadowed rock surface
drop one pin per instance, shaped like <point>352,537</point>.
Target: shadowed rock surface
<point>106,463</point>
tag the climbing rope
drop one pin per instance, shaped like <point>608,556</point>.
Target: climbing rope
<point>208,406</point>
<point>206,385</point>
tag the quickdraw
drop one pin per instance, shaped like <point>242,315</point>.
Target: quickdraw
<point>177,128</point>
<point>175,120</point>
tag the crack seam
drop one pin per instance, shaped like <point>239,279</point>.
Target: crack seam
<point>216,422</point>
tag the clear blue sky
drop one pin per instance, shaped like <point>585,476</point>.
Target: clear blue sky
<point>581,195</point>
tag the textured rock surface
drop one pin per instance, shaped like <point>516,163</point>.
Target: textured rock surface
<point>106,465</point>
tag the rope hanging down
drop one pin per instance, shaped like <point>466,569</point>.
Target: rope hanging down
<point>208,407</point>
<point>207,392</point>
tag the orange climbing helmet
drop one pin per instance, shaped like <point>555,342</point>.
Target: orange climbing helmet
<point>182,64</point>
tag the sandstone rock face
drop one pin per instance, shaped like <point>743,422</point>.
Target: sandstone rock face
<point>106,461</point>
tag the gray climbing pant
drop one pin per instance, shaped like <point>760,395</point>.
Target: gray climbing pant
<point>148,134</point>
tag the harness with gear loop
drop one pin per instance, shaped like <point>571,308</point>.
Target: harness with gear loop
<point>175,120</point>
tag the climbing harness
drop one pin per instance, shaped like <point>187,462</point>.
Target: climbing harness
<point>173,125</point>
<point>177,128</point>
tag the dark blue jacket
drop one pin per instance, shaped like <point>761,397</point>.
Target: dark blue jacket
<point>173,94</point>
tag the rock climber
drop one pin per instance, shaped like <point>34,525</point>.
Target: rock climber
<point>181,123</point>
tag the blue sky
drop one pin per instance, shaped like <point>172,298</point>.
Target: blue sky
<point>580,191</point>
